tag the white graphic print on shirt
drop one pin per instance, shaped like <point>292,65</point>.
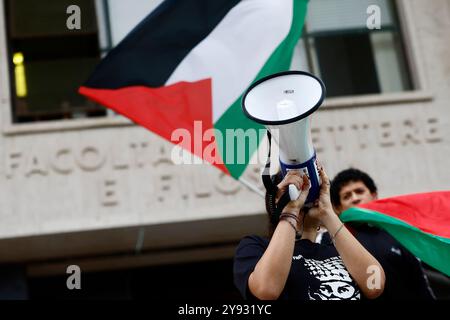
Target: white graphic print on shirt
<point>334,281</point>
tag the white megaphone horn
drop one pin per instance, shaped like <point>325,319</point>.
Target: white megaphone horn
<point>283,102</point>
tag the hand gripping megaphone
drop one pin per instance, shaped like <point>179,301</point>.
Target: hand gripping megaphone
<point>284,102</point>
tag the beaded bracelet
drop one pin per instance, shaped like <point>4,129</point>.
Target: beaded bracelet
<point>290,222</point>
<point>290,215</point>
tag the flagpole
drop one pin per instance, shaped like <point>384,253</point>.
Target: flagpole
<point>252,187</point>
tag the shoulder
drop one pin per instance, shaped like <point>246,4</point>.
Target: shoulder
<point>252,241</point>
<point>385,241</point>
<point>368,231</point>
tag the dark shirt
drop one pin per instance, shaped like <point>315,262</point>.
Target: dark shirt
<point>405,278</point>
<point>317,271</point>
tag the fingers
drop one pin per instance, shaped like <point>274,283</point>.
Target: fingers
<point>301,182</point>
<point>306,185</point>
<point>292,177</point>
<point>325,186</point>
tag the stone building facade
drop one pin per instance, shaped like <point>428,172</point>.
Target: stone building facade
<point>103,193</point>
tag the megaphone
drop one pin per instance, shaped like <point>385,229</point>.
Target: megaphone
<point>283,102</point>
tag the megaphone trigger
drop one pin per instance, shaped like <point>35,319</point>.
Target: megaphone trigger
<point>294,193</point>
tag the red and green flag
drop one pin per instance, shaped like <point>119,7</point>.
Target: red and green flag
<point>420,222</point>
<point>190,61</point>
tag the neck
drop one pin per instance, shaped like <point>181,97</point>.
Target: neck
<point>309,234</point>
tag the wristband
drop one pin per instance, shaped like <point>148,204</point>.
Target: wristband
<point>333,238</point>
<point>290,215</point>
<point>290,222</point>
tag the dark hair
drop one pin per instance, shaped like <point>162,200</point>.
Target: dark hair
<point>346,176</point>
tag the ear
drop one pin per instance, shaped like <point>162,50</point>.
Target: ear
<point>375,195</point>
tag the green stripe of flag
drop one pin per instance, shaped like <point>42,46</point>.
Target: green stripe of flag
<point>233,118</point>
<point>431,249</point>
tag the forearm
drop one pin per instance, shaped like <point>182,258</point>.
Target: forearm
<point>268,279</point>
<point>358,261</point>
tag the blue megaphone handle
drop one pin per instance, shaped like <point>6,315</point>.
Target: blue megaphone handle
<point>310,168</point>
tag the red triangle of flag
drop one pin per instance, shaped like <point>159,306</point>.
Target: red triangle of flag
<point>165,109</point>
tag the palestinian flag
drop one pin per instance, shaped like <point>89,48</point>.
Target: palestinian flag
<point>420,222</point>
<point>187,64</point>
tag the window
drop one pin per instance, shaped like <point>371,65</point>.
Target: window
<point>48,62</point>
<point>351,59</point>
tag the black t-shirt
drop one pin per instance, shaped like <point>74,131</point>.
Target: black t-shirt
<point>317,271</point>
<point>405,278</point>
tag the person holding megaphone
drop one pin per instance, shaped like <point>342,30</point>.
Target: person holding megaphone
<point>289,264</point>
